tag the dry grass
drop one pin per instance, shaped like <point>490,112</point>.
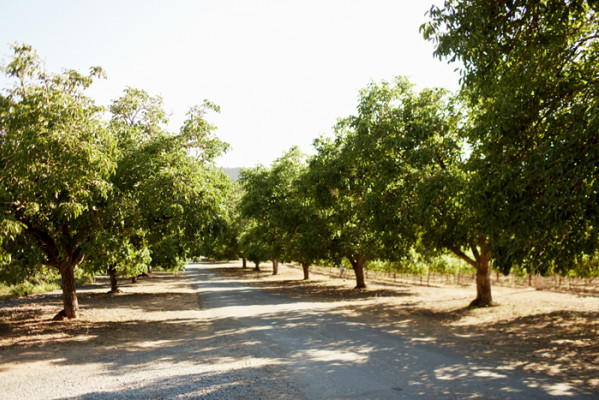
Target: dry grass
<point>147,309</point>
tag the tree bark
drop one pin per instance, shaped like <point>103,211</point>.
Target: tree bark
<point>483,273</point>
<point>358,266</point>
<point>114,284</point>
<point>306,269</point>
<point>275,267</point>
<point>483,284</point>
<point>69,292</point>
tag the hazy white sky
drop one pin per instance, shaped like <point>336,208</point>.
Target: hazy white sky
<point>282,71</point>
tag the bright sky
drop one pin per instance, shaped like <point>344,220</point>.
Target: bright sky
<point>282,71</point>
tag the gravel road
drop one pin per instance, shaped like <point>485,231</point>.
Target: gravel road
<point>251,344</point>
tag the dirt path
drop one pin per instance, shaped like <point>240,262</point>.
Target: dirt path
<point>259,336</point>
<point>331,349</point>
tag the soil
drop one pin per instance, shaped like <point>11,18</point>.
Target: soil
<point>552,333</point>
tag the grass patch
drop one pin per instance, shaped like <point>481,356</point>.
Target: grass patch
<point>26,289</point>
<point>5,292</point>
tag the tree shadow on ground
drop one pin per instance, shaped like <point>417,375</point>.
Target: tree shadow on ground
<point>207,345</point>
<point>560,344</point>
<point>171,301</point>
<point>27,335</point>
<point>309,289</point>
<point>26,323</point>
<point>229,385</point>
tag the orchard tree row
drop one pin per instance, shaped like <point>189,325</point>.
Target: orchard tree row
<point>106,191</point>
<point>505,173</point>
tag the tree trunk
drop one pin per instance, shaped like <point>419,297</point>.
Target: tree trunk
<point>69,292</point>
<point>257,268</point>
<point>483,272</point>
<point>358,266</point>
<point>306,269</point>
<point>275,267</point>
<point>244,262</point>
<point>114,285</point>
<point>483,284</point>
<point>134,279</point>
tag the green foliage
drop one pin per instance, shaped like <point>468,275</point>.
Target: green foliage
<point>261,206</point>
<point>27,288</point>
<point>221,239</point>
<point>340,185</point>
<point>82,191</point>
<point>408,146</point>
<point>416,263</point>
<point>304,227</point>
<point>42,280</point>
<point>282,219</point>
<point>255,244</point>
<point>529,71</point>
<point>169,193</point>
<point>55,158</point>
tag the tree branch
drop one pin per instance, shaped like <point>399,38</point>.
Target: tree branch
<point>47,244</point>
<point>464,257</point>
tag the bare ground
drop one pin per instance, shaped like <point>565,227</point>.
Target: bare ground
<point>542,331</point>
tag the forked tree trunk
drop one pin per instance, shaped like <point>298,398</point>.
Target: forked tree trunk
<point>275,267</point>
<point>358,266</point>
<point>114,284</point>
<point>306,269</point>
<point>483,272</point>
<point>69,292</point>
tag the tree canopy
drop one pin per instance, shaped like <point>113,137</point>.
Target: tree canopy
<point>530,74</point>
<point>504,173</point>
<point>81,191</point>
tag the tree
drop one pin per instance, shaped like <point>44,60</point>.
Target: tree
<point>221,240</point>
<point>284,223</point>
<point>260,203</point>
<point>530,73</point>
<point>177,191</point>
<point>255,243</point>
<point>305,230</point>
<point>341,185</point>
<point>55,159</point>
<point>409,147</point>
<point>79,192</point>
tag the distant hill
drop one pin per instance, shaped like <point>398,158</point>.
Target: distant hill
<point>232,173</point>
